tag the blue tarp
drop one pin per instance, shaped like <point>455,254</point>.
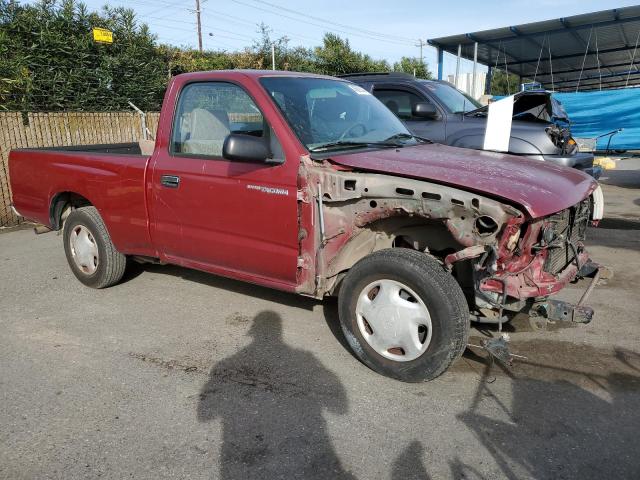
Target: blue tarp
<point>595,113</point>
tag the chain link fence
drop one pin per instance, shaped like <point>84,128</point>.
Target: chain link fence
<point>55,129</point>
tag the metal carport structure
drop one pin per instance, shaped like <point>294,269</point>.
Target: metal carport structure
<point>591,51</point>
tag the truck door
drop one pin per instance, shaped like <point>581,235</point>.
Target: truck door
<point>400,100</point>
<point>237,218</point>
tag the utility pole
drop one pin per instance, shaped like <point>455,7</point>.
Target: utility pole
<point>273,56</point>
<point>421,43</point>
<point>199,25</point>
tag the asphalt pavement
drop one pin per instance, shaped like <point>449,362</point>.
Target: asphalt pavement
<point>179,374</point>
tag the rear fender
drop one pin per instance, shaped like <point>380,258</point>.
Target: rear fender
<point>60,205</point>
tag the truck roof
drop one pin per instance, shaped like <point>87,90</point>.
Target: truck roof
<point>378,76</point>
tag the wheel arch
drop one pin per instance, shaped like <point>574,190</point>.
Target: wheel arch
<point>61,205</point>
<point>429,236</point>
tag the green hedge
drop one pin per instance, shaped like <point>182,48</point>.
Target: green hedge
<point>49,61</point>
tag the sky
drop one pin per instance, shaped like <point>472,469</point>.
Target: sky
<point>381,28</point>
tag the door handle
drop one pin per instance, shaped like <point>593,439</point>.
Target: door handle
<point>170,181</point>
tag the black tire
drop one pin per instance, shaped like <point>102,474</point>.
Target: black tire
<point>439,292</point>
<point>110,264</point>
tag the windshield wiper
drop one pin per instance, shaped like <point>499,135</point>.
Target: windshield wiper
<point>477,112</point>
<point>399,136</point>
<point>351,144</point>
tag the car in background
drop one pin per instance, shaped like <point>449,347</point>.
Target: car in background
<point>440,112</point>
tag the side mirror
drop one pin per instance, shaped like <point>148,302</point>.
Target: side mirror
<point>424,110</point>
<point>245,148</point>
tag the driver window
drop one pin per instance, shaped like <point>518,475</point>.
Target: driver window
<point>400,102</point>
<point>208,112</point>
<point>332,113</point>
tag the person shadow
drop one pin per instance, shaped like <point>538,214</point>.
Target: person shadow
<point>408,465</point>
<point>270,399</point>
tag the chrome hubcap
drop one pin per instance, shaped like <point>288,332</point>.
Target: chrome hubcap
<point>393,320</point>
<point>84,249</point>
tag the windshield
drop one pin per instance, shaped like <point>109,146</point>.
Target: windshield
<point>333,114</point>
<point>453,99</point>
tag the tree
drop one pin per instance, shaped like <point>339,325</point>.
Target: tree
<point>335,57</point>
<point>503,84</point>
<point>180,60</point>
<point>261,48</point>
<point>411,65</point>
<point>49,61</point>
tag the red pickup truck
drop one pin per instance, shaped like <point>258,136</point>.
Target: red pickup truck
<point>309,184</point>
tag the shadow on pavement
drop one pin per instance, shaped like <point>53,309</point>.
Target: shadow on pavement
<point>617,223</point>
<point>622,178</point>
<point>231,285</point>
<point>559,421</point>
<point>616,234</point>
<point>270,399</point>
<point>408,465</point>
<point>332,318</point>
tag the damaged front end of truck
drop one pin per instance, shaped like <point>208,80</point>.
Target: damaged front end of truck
<point>505,261</point>
<point>533,260</point>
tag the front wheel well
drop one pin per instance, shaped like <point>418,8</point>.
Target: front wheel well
<point>431,237</point>
<point>61,206</point>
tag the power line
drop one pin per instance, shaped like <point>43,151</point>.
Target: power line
<point>241,21</point>
<point>206,27</point>
<point>311,42</point>
<point>279,14</point>
<point>332,22</point>
<point>232,18</point>
<point>370,34</point>
<point>236,36</point>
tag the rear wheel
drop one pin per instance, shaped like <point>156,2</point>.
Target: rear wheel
<point>403,315</point>
<point>91,254</point>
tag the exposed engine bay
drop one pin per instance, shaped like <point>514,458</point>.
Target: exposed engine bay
<point>504,261</point>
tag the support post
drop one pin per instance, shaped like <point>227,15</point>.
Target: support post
<point>487,81</point>
<point>475,67</point>
<point>440,62</point>
<point>458,64</point>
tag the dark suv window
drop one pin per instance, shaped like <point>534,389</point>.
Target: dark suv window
<point>400,102</point>
<point>456,101</point>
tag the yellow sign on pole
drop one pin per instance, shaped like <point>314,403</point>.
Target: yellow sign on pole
<point>102,35</point>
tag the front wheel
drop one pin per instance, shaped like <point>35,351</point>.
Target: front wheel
<point>403,315</point>
<point>91,255</point>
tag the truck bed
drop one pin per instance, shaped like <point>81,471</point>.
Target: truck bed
<point>112,177</point>
<point>132,148</point>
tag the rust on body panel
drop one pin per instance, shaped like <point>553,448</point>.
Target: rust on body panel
<point>363,212</point>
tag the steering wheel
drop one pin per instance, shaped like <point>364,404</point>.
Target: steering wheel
<point>353,127</point>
